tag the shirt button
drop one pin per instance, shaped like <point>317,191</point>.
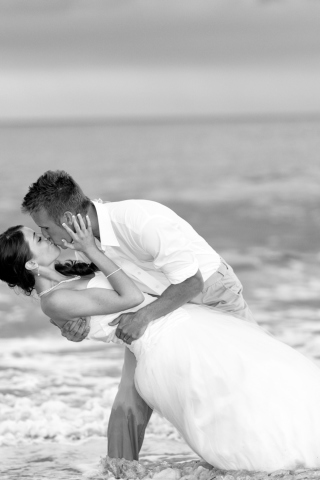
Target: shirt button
<point>139,273</point>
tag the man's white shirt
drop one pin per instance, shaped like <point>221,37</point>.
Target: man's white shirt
<point>152,244</point>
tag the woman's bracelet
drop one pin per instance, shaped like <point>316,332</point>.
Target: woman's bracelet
<point>113,272</point>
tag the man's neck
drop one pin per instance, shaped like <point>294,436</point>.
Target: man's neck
<point>92,212</point>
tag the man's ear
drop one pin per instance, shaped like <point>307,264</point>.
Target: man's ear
<point>67,218</point>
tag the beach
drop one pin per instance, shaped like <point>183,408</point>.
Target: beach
<point>250,187</point>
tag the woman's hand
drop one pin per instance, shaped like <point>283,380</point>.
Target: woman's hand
<point>82,237</point>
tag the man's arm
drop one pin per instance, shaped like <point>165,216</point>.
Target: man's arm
<point>132,325</point>
<point>164,240</point>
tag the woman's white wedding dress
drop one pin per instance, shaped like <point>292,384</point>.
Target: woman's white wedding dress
<point>240,398</point>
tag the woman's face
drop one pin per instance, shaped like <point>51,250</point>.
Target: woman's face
<point>44,252</point>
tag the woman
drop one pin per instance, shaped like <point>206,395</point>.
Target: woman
<point>240,398</point>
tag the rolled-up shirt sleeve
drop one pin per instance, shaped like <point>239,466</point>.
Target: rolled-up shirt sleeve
<point>171,250</point>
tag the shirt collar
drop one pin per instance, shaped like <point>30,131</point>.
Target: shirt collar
<point>107,235</point>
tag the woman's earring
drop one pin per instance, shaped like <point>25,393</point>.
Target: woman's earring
<point>38,274</point>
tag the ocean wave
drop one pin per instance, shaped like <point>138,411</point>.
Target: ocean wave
<point>53,390</point>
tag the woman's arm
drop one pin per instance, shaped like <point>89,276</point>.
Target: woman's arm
<point>71,304</point>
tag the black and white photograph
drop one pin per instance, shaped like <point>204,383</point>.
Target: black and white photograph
<point>160,239</point>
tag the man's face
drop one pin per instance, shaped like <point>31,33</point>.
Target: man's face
<point>50,229</point>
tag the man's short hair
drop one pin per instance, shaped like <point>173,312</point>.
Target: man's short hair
<point>55,192</point>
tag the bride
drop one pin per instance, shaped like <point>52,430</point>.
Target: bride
<point>240,398</point>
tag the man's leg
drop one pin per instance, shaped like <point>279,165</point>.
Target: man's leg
<point>129,415</point>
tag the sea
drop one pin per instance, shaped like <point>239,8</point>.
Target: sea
<point>249,186</point>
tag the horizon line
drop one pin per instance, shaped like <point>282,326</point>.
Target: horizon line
<point>165,119</point>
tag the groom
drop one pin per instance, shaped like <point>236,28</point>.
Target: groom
<point>161,252</point>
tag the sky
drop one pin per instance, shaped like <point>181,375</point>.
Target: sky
<point>89,59</point>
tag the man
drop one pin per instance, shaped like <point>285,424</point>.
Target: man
<point>161,252</point>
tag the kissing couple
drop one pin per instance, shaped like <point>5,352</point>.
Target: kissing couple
<point>144,277</point>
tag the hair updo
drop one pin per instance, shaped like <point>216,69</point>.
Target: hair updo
<point>15,252</point>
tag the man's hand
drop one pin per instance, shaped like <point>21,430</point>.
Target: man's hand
<point>75,330</point>
<point>131,326</point>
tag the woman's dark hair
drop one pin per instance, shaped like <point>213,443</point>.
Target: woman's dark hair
<point>72,267</point>
<point>15,252</point>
